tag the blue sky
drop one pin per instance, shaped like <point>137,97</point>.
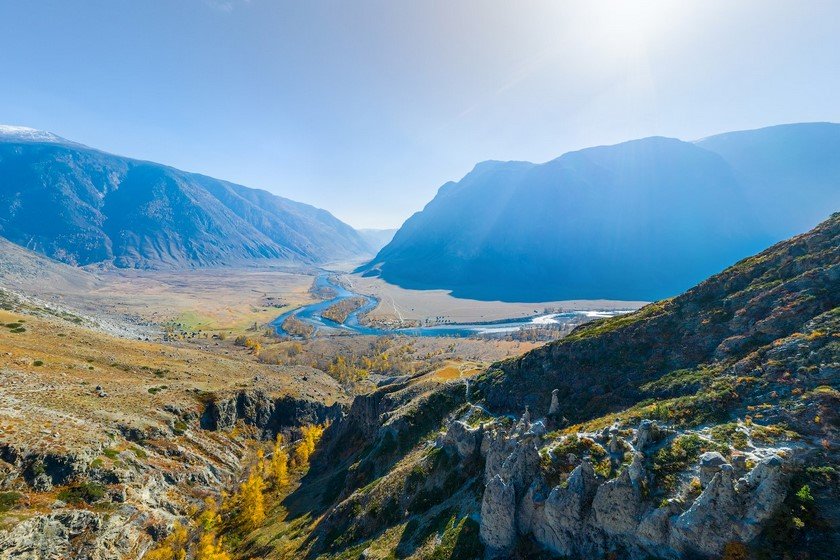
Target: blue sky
<point>366,108</point>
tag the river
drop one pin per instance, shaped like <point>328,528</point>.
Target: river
<point>312,315</point>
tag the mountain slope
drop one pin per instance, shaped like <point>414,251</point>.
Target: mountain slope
<point>704,426</point>
<point>84,206</point>
<point>641,220</point>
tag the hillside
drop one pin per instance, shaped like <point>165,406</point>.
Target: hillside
<point>641,220</point>
<point>83,206</point>
<point>700,426</point>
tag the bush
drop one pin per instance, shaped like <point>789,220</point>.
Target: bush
<point>87,492</point>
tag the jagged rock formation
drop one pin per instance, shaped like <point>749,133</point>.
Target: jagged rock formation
<point>604,365</point>
<point>75,534</point>
<point>589,516</point>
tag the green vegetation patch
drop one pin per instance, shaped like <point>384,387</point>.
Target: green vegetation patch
<point>86,492</point>
<point>681,453</point>
<point>772,433</point>
<point>730,434</point>
<point>602,326</point>
<point>459,541</point>
<point>682,380</point>
<point>8,500</point>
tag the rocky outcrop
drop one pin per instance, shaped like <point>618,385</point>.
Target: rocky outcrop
<point>74,534</point>
<point>42,470</point>
<point>269,414</point>
<point>588,516</point>
<point>465,440</point>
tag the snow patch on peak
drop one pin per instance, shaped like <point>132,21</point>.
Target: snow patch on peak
<point>26,134</point>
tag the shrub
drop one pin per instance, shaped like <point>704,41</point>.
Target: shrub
<point>139,453</point>
<point>735,551</point>
<point>804,495</point>
<point>179,427</point>
<point>88,492</point>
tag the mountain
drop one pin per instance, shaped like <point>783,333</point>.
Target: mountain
<point>82,206</point>
<point>703,426</point>
<point>644,219</point>
<point>377,238</point>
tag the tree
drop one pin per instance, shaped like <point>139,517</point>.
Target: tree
<point>306,446</point>
<point>173,547</point>
<point>251,501</point>
<point>209,548</point>
<point>209,518</point>
<point>279,464</point>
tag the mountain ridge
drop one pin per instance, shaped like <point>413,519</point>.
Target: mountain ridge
<point>643,219</point>
<point>84,206</point>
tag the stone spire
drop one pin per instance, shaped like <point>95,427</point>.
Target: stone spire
<point>555,403</point>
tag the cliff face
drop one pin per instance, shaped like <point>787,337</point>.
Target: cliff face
<point>270,415</point>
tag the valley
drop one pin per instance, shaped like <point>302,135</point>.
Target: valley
<point>425,450</point>
<point>461,280</point>
<point>272,398</point>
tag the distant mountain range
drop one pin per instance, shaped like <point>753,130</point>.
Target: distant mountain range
<point>82,206</point>
<point>377,238</point>
<point>645,219</point>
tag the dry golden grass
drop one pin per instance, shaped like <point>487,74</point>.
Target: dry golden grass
<point>213,300</point>
<point>457,370</point>
<point>48,376</point>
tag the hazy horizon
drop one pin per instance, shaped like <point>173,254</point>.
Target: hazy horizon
<point>366,110</point>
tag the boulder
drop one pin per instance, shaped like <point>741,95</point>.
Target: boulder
<point>710,463</point>
<point>647,434</point>
<point>766,489</point>
<point>522,466</point>
<point>564,512</point>
<point>617,506</point>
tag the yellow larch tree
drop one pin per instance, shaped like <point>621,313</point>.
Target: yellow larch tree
<point>279,464</point>
<point>173,547</point>
<point>306,446</point>
<point>251,501</point>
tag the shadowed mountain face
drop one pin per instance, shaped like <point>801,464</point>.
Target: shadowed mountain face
<point>84,206</point>
<point>641,220</point>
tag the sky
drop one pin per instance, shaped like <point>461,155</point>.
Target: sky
<point>366,108</point>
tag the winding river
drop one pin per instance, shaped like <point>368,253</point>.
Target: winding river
<point>312,315</point>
